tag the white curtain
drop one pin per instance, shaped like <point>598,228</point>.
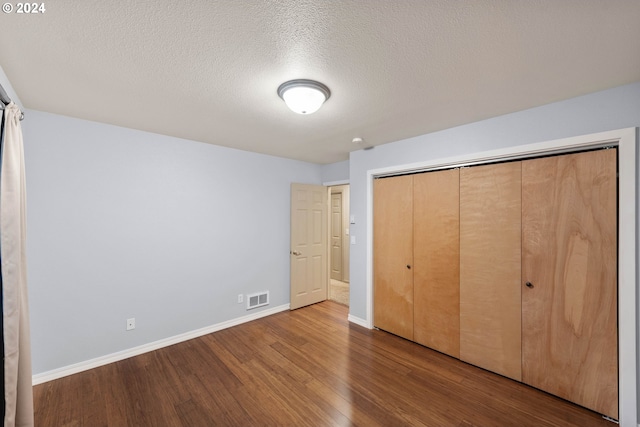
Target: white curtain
<point>18,391</point>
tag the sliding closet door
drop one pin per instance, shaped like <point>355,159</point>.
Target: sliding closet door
<point>490,233</point>
<point>393,255</point>
<point>436,253</point>
<point>569,307</point>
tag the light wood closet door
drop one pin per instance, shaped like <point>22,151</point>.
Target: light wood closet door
<point>569,315</point>
<point>436,254</point>
<point>490,274</point>
<point>393,255</point>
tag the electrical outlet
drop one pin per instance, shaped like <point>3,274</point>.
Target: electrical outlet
<point>131,323</point>
<point>240,298</point>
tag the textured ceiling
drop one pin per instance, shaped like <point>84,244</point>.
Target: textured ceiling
<point>209,70</point>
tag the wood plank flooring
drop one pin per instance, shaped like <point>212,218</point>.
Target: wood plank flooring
<point>309,367</point>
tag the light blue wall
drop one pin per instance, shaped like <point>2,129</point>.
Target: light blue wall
<point>124,223</point>
<point>335,172</point>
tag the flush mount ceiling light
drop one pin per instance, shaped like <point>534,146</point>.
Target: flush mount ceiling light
<point>303,96</point>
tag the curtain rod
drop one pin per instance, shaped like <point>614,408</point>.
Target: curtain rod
<point>4,98</point>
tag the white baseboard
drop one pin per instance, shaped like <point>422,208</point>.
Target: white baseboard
<point>358,321</point>
<point>135,351</point>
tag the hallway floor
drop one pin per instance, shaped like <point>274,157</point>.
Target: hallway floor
<point>339,292</point>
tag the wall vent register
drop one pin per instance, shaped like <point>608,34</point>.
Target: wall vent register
<point>257,300</point>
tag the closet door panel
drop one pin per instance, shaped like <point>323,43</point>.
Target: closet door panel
<point>569,314</point>
<point>393,255</point>
<point>436,253</point>
<point>490,267</point>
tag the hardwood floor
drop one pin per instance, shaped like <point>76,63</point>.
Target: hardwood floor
<point>309,367</point>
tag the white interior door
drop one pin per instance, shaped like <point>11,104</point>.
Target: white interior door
<point>336,236</point>
<point>343,263</point>
<point>308,244</point>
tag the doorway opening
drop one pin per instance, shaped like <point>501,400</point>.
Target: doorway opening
<point>339,244</point>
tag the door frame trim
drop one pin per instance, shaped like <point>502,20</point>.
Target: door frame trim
<point>628,259</point>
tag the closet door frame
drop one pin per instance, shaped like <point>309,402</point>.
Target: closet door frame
<point>626,142</point>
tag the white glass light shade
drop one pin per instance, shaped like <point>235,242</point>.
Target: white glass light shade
<point>303,100</point>
<point>304,96</point>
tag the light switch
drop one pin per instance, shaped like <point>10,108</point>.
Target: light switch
<point>346,231</point>
<point>352,219</point>
<point>353,240</point>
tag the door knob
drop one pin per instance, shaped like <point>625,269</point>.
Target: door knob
<point>408,266</point>
<point>296,253</point>
<point>529,285</point>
